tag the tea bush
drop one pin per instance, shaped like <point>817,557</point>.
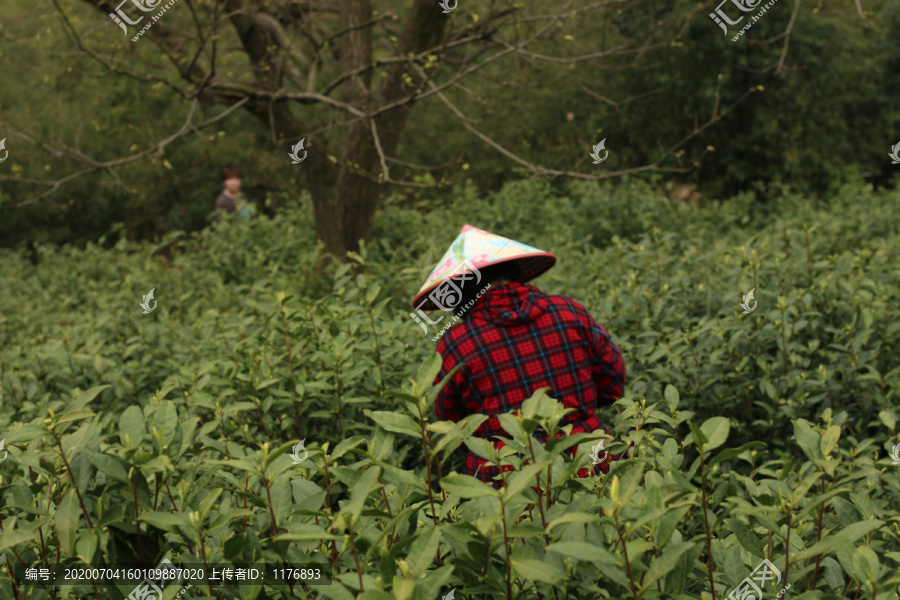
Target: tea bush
<point>742,437</point>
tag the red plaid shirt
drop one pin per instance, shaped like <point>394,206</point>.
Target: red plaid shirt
<point>517,340</point>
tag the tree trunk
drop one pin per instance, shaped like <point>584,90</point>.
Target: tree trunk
<point>358,190</point>
<point>357,193</point>
<point>317,170</point>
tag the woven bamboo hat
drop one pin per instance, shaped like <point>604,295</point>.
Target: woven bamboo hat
<point>472,250</point>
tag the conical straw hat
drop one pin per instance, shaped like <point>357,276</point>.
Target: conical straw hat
<point>474,249</point>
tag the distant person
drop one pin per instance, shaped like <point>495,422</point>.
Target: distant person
<point>232,199</point>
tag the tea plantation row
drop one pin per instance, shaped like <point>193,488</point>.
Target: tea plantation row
<point>134,436</point>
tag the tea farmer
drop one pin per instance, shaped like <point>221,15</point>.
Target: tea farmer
<point>514,339</point>
<point>232,199</point>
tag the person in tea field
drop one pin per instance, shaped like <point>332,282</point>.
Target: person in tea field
<point>232,200</point>
<point>513,340</point>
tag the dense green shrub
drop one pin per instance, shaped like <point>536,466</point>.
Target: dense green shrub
<point>749,436</point>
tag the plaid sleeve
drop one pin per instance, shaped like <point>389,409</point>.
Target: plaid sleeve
<point>448,404</point>
<point>607,366</point>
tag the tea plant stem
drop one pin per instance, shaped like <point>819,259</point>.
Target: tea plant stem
<point>16,588</point>
<point>506,547</point>
<point>808,257</point>
<point>58,502</point>
<point>356,558</point>
<point>246,494</point>
<point>706,526</point>
<point>390,514</point>
<point>818,536</point>
<point>693,376</point>
<point>437,463</point>
<point>265,483</point>
<point>287,341</point>
<point>787,545</point>
<point>377,348</point>
<point>62,454</point>
<point>262,415</point>
<point>548,488</point>
<point>540,492</point>
<point>656,246</point>
<point>172,498</point>
<point>436,460</point>
<point>427,465</point>
<point>37,503</point>
<point>619,256</point>
<point>627,562</point>
<point>203,553</point>
<point>340,397</point>
<point>749,405</point>
<point>328,504</point>
<point>137,513</point>
<point>784,356</point>
<point>69,357</point>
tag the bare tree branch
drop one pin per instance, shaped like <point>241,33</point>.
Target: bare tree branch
<point>787,39</point>
<point>96,165</point>
<point>654,166</point>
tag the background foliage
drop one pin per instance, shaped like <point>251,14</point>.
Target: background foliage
<point>827,116</point>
